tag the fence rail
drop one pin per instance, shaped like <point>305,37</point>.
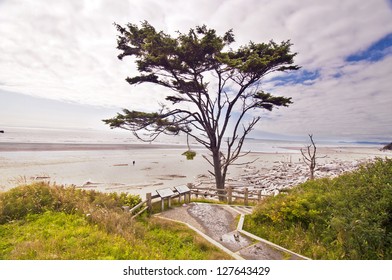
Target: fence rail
<point>228,195</point>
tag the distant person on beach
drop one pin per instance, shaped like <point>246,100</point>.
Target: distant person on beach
<point>133,162</point>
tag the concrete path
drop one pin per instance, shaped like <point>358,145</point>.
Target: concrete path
<point>222,226</point>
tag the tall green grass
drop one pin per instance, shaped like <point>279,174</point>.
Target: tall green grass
<point>40,221</point>
<point>348,217</point>
<point>57,235</point>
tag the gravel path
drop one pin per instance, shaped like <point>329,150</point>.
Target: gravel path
<point>219,222</point>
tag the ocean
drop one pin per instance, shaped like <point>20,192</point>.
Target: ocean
<point>68,156</point>
<point>64,136</point>
<point>118,136</point>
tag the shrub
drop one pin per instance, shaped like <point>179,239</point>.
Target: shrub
<point>348,217</point>
<point>57,235</point>
<point>40,197</point>
<point>50,222</point>
<point>20,201</point>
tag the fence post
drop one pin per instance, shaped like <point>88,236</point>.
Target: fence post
<point>258,195</point>
<point>246,194</point>
<point>229,194</point>
<point>149,203</point>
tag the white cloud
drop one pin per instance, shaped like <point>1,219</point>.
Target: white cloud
<point>357,104</point>
<point>65,50</point>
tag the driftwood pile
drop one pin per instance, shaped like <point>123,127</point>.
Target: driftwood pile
<point>281,176</point>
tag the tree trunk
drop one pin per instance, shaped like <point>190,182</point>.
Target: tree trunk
<point>219,178</point>
<point>311,174</point>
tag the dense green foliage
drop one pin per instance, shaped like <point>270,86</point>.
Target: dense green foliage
<point>38,198</point>
<point>348,217</point>
<point>189,154</point>
<point>39,221</point>
<point>57,235</point>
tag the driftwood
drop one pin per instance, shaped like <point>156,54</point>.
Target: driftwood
<point>281,176</point>
<point>310,156</point>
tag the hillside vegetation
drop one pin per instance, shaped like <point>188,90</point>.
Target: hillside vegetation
<point>40,221</point>
<point>348,217</point>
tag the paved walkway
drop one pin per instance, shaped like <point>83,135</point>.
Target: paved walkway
<point>219,224</point>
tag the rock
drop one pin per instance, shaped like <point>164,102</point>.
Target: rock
<point>387,147</point>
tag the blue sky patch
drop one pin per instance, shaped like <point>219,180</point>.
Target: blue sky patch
<point>375,52</point>
<point>300,77</point>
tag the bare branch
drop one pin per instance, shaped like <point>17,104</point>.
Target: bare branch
<point>310,157</point>
<point>181,65</point>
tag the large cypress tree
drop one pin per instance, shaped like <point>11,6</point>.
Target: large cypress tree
<point>214,88</point>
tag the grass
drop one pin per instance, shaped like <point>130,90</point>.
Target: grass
<point>178,242</point>
<point>40,221</point>
<point>56,235</point>
<point>348,217</point>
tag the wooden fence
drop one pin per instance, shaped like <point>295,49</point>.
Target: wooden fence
<point>230,195</point>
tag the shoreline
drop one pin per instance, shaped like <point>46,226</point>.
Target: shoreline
<point>77,146</point>
<point>33,146</point>
<point>110,167</point>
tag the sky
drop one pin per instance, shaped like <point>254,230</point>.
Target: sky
<point>59,66</point>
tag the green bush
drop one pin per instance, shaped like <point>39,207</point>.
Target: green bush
<point>57,235</point>
<point>20,201</point>
<point>348,217</point>
<point>40,197</point>
<point>50,222</point>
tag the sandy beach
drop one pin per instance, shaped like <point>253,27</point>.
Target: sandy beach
<point>142,168</point>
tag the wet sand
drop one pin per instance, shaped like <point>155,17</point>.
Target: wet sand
<point>136,169</point>
<point>111,168</point>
